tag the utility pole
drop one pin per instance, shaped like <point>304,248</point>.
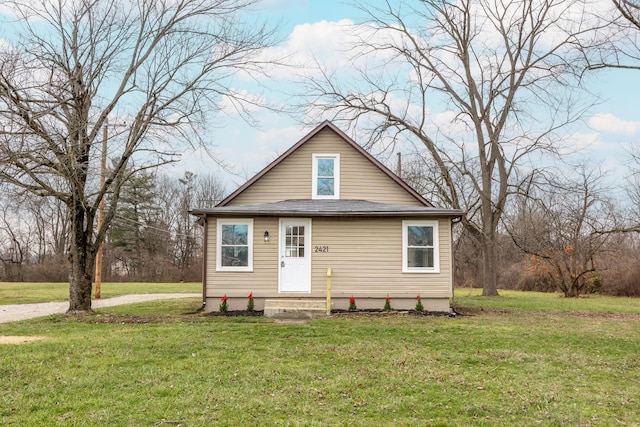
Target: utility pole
<point>103,168</point>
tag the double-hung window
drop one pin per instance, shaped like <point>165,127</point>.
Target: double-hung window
<point>420,247</point>
<point>326,176</point>
<point>235,245</point>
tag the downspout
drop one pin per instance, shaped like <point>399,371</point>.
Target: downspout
<point>454,221</point>
<point>453,269</point>
<point>205,224</point>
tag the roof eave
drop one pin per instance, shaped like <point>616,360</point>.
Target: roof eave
<point>439,213</point>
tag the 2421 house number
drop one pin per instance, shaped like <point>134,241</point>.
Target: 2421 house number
<point>321,249</point>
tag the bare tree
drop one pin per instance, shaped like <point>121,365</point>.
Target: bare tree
<point>504,73</point>
<point>160,66</point>
<point>618,46</point>
<point>50,225</point>
<point>153,236</point>
<point>630,10</point>
<point>15,244</point>
<point>185,237</point>
<point>566,225</point>
<point>45,218</point>
<point>210,190</point>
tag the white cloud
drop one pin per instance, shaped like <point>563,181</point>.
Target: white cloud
<point>578,142</point>
<point>607,122</point>
<point>330,45</point>
<point>5,47</point>
<point>319,38</point>
<point>8,10</point>
<point>307,46</point>
<point>453,124</point>
<point>240,101</point>
<point>246,150</point>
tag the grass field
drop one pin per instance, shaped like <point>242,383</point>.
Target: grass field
<point>22,293</point>
<point>522,359</point>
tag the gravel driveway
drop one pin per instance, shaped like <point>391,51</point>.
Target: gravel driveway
<point>15,312</point>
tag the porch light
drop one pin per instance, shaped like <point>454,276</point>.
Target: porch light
<point>266,237</point>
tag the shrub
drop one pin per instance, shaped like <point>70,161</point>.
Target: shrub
<point>622,279</point>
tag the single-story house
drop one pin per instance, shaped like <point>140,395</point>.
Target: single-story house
<point>326,207</point>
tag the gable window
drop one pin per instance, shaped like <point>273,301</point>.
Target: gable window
<point>326,176</point>
<point>420,251</point>
<point>234,245</point>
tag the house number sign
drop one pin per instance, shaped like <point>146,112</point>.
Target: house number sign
<point>321,249</point>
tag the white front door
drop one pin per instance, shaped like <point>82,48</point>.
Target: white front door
<point>295,256</point>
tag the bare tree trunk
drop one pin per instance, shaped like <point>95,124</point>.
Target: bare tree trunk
<point>80,281</point>
<point>81,264</point>
<point>489,270</point>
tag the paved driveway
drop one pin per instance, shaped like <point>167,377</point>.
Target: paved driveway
<point>15,312</point>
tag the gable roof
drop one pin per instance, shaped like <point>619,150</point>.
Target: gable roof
<point>324,125</point>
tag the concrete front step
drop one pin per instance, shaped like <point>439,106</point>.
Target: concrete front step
<point>295,308</point>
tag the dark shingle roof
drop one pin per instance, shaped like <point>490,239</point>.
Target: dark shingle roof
<point>328,208</point>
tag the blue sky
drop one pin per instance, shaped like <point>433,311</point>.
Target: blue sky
<point>610,127</point>
<point>311,27</point>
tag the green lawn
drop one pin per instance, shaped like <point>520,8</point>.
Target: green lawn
<point>523,359</point>
<point>515,301</point>
<point>21,293</point>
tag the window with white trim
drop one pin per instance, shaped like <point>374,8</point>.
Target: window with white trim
<point>326,176</point>
<point>420,250</point>
<point>234,245</point>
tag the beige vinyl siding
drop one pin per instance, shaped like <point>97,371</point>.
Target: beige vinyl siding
<point>264,277</point>
<point>365,257</point>
<point>359,178</point>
